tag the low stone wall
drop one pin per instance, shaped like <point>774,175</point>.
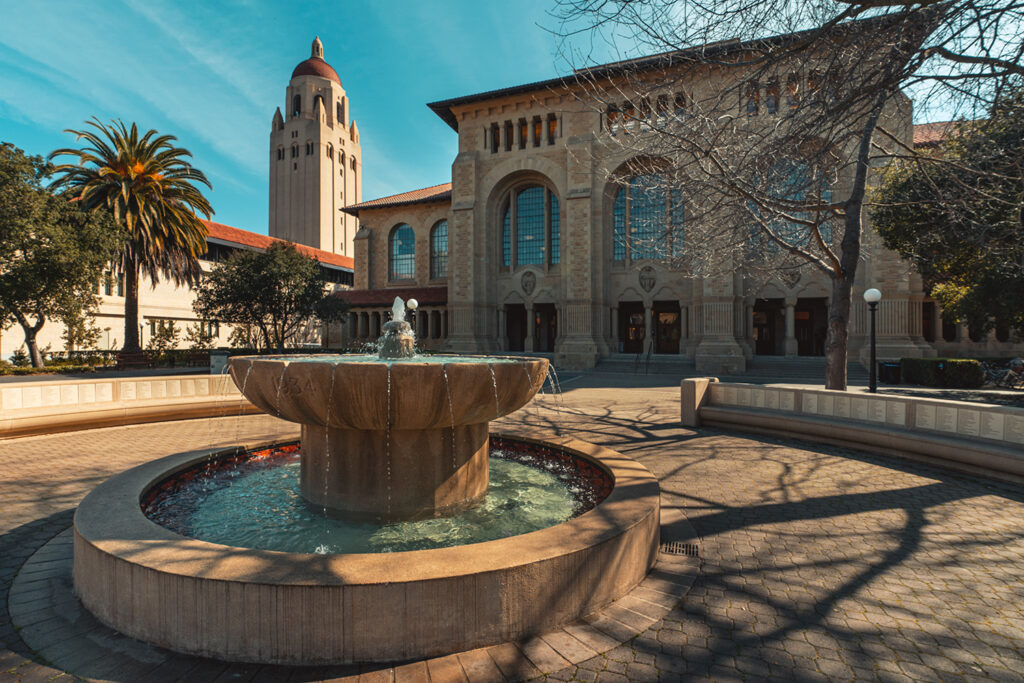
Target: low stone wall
<point>978,438</point>
<point>43,407</point>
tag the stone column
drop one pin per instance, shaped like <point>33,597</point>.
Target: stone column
<point>790,345</point>
<point>531,328</point>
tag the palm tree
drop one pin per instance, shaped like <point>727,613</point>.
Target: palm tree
<point>150,189</point>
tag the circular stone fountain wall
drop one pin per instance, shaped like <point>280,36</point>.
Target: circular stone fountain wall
<point>263,606</point>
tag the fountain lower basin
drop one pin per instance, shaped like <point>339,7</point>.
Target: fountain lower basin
<point>243,604</point>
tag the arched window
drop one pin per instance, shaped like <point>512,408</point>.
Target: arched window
<point>531,222</point>
<point>296,105</point>
<point>647,219</point>
<point>786,182</point>
<point>439,250</point>
<point>330,151</point>
<point>402,253</point>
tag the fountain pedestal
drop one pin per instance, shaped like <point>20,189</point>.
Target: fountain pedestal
<point>397,475</point>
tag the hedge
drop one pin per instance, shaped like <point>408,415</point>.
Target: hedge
<point>953,373</point>
<point>7,369</point>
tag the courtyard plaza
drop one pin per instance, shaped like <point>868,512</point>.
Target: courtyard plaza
<point>812,562</point>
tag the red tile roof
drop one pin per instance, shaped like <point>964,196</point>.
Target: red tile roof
<point>314,66</point>
<point>930,134</point>
<point>435,193</point>
<point>425,296</point>
<point>244,238</point>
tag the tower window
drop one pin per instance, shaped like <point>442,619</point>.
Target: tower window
<point>552,128</point>
<point>341,112</point>
<point>680,107</point>
<point>752,98</point>
<point>296,105</point>
<point>330,152</point>
<point>353,163</point>
<point>495,138</point>
<point>509,132</point>
<point>793,91</point>
<point>771,96</point>
<point>537,131</point>
<point>524,133</point>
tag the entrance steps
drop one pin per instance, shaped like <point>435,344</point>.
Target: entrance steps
<point>761,370</point>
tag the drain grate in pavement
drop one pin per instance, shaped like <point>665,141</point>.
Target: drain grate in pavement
<point>680,548</point>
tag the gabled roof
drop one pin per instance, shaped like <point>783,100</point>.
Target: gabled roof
<point>931,134</point>
<point>434,193</point>
<point>244,238</point>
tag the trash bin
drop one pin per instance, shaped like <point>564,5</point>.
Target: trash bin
<point>888,372</point>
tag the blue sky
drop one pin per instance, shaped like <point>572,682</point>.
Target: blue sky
<point>212,74</point>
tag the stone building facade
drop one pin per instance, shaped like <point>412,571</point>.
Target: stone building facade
<point>533,263</point>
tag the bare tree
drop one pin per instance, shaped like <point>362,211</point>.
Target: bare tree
<point>768,119</point>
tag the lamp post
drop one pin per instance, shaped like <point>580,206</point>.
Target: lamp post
<point>872,297</point>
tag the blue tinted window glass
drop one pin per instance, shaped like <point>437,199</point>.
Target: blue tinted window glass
<point>556,230</point>
<point>647,219</point>
<point>677,210</point>
<point>403,253</point>
<point>530,226</point>
<point>619,226</point>
<point>506,237</point>
<point>439,250</point>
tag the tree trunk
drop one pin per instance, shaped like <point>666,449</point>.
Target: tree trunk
<point>131,310</point>
<point>837,342</point>
<point>35,357</point>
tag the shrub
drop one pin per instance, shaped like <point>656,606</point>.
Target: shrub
<point>958,373</point>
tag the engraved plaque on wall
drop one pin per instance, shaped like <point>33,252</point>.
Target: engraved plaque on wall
<point>992,425</point>
<point>945,418</point>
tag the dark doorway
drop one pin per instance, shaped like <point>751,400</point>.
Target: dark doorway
<point>631,327</point>
<point>948,330</point>
<point>667,326</point>
<point>928,321</point>
<point>811,326</point>
<point>546,329</point>
<point>769,327</point>
<point>515,326</point>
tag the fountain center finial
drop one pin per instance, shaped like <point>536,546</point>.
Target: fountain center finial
<point>398,340</point>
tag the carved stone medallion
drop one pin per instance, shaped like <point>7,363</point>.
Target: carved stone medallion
<point>648,277</point>
<point>528,282</point>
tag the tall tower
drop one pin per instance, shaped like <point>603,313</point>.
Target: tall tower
<point>316,163</point>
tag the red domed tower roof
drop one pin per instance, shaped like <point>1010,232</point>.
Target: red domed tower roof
<point>315,65</point>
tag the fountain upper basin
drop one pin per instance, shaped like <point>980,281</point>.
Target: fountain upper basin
<point>365,393</point>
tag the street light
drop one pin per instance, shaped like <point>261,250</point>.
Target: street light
<point>873,296</point>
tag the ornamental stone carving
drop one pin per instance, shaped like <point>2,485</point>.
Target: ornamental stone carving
<point>648,278</point>
<point>528,282</point>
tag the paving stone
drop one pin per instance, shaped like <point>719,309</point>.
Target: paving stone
<point>875,564</point>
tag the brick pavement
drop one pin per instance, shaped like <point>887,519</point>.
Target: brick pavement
<point>817,562</point>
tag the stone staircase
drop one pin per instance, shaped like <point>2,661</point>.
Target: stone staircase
<point>760,370</point>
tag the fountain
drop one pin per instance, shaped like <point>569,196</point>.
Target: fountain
<point>392,443</point>
<point>391,437</point>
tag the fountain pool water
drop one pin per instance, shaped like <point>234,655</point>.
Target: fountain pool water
<point>252,501</point>
<point>392,532</point>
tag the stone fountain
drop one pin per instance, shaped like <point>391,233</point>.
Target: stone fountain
<point>385,441</point>
<point>394,438</point>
